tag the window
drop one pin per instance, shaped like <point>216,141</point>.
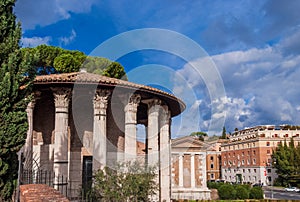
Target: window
<point>254,161</point>
<point>212,176</point>
<point>275,135</point>
<point>248,153</point>
<point>254,152</point>
<point>211,158</point>
<point>248,161</point>
<point>249,171</point>
<point>243,170</point>
<point>253,144</point>
<point>286,135</point>
<point>212,165</point>
<point>268,151</point>
<point>269,170</point>
<point>224,163</point>
<point>243,153</point>
<point>243,162</point>
<point>254,170</point>
<point>233,154</point>
<point>268,143</point>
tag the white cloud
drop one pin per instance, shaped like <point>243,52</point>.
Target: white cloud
<point>34,13</point>
<point>69,39</point>
<point>35,41</point>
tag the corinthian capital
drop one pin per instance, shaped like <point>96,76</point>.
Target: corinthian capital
<point>101,98</point>
<point>61,96</point>
<point>133,102</point>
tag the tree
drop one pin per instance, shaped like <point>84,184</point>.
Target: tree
<point>128,182</point>
<point>66,62</point>
<point>223,133</point>
<point>115,70</point>
<point>286,162</point>
<point>200,135</point>
<point>16,76</point>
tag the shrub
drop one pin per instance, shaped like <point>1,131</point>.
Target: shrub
<point>256,193</point>
<point>242,192</point>
<point>227,191</point>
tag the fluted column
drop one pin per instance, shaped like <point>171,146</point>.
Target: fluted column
<point>165,150</point>
<point>153,140</point>
<point>61,100</point>
<point>99,129</point>
<point>29,144</point>
<point>180,170</point>
<point>193,182</point>
<point>130,149</point>
<point>153,130</point>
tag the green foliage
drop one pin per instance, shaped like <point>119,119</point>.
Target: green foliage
<point>214,185</point>
<point>223,133</point>
<point>66,62</point>
<point>256,193</point>
<point>96,65</point>
<point>200,135</point>
<point>16,76</point>
<point>235,192</point>
<point>128,182</point>
<point>115,70</point>
<point>242,192</point>
<point>227,191</point>
<point>287,163</point>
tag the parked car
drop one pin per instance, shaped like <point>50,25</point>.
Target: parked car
<point>292,189</point>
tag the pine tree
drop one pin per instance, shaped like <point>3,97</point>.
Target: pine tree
<point>16,77</point>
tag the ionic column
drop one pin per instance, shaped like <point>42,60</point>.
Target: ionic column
<point>130,149</point>
<point>99,129</point>
<point>193,184</point>
<point>165,150</point>
<point>180,170</point>
<point>61,100</point>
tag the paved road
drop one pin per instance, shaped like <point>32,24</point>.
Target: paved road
<point>276,193</point>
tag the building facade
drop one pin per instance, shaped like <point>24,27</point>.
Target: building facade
<point>247,156</point>
<point>80,122</point>
<point>189,169</point>
<point>214,160</point>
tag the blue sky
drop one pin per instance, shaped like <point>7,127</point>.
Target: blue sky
<point>254,45</point>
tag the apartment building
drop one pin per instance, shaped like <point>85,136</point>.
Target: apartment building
<point>213,160</point>
<point>247,156</point>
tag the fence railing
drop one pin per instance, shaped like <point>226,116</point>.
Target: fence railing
<point>58,182</point>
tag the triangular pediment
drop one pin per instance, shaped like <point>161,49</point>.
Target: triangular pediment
<point>188,142</point>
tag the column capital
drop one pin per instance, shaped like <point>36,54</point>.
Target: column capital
<point>154,105</point>
<point>101,98</point>
<point>61,97</point>
<point>133,103</point>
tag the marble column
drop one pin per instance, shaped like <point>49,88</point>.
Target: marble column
<point>153,130</point>
<point>180,170</point>
<point>193,182</point>
<point>153,140</point>
<point>99,129</point>
<point>165,151</point>
<point>130,148</point>
<point>28,149</point>
<point>203,165</point>
<point>61,100</point>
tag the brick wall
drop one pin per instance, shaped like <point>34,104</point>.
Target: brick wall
<point>40,192</point>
